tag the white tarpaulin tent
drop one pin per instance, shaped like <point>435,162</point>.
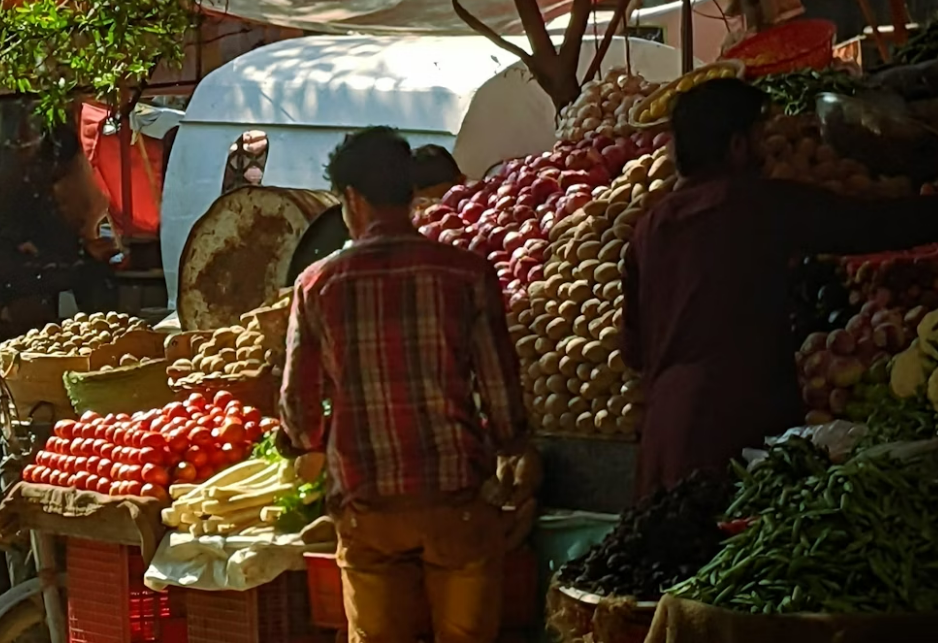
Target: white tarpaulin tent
<point>383,16</point>
<point>463,93</point>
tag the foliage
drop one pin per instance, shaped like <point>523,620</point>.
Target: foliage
<point>56,49</point>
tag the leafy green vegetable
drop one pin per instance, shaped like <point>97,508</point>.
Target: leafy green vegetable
<point>55,50</point>
<point>266,449</point>
<point>302,506</point>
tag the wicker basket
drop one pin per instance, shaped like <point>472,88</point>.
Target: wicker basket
<point>125,389</point>
<point>573,615</point>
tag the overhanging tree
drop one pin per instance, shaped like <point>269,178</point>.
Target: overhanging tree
<point>555,70</point>
<point>55,50</point>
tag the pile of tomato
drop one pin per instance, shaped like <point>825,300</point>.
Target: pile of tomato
<point>142,454</point>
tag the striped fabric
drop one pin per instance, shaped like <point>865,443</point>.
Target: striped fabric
<point>398,332</point>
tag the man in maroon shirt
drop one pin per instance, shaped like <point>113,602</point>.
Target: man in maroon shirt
<point>399,333</point>
<point>706,318</point>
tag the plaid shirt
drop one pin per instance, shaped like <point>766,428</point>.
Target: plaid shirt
<point>398,332</point>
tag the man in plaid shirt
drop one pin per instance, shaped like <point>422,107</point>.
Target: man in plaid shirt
<point>399,333</point>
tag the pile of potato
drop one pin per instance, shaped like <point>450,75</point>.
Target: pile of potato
<point>75,337</point>
<point>603,107</point>
<point>795,150</point>
<point>234,351</point>
<point>567,332</point>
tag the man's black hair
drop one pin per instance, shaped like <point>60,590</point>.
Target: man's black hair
<point>376,162</point>
<point>434,165</point>
<point>705,120</point>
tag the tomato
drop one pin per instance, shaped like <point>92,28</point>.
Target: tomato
<point>107,451</point>
<point>109,434</point>
<point>59,479</point>
<point>201,437</point>
<point>81,480</point>
<point>155,474</point>
<point>110,418</point>
<point>115,488</point>
<point>88,416</point>
<point>232,432</point>
<point>38,473</point>
<point>29,472</point>
<point>64,428</point>
<point>75,447</point>
<point>70,462</point>
<point>153,440</point>
<point>42,459</point>
<point>119,437</point>
<point>91,466</point>
<point>204,473</point>
<point>136,456</point>
<point>149,455</point>
<point>81,464</point>
<point>122,417</point>
<point>63,446</point>
<point>233,452</point>
<point>159,424</point>
<point>133,438</point>
<point>133,472</point>
<point>133,488</point>
<point>175,410</point>
<point>178,443</point>
<point>104,468</point>
<point>171,458</point>
<point>184,472</point>
<point>154,491</point>
<point>103,486</point>
<point>197,400</point>
<point>116,469</point>
<point>234,410</point>
<point>196,456</point>
<point>91,482</point>
<point>88,431</point>
<point>268,424</point>
<point>251,414</point>
<point>100,432</point>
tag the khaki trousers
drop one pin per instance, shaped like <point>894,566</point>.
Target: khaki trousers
<point>405,568</point>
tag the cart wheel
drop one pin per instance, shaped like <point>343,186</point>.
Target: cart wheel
<point>25,623</point>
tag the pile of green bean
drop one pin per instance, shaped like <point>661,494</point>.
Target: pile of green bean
<point>797,91</point>
<point>892,419</point>
<point>857,537</point>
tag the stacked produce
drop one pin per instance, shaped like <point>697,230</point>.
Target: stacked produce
<point>907,279</point>
<point>796,92</point>
<point>507,217</point>
<point>142,454</point>
<point>235,351</point>
<point>567,329</point>
<point>832,365</point>
<point>820,301</point>
<point>794,150</point>
<point>848,538</point>
<point>662,541</point>
<point>261,491</point>
<point>603,107</point>
<point>78,336</point>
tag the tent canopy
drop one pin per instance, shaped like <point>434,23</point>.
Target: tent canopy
<point>383,16</point>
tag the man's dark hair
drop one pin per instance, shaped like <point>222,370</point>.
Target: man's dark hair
<point>376,162</point>
<point>434,165</point>
<point>706,118</point>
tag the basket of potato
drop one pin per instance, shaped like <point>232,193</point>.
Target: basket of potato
<point>236,358</point>
<point>34,364</point>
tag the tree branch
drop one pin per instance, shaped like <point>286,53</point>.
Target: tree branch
<point>483,29</point>
<point>535,29</point>
<point>573,35</point>
<point>622,7</point>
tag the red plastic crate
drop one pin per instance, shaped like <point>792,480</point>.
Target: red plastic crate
<point>519,591</point>
<point>108,602</point>
<point>266,614</point>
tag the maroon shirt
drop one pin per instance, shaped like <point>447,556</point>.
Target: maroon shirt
<point>706,319</point>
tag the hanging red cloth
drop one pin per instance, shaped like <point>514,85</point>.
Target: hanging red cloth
<point>103,151</point>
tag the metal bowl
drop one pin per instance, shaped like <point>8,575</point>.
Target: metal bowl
<point>880,135</point>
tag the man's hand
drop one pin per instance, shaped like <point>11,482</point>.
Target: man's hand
<point>285,445</point>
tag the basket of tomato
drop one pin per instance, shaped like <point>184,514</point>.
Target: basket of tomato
<point>141,454</point>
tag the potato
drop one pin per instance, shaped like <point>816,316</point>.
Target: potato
<point>595,208</point>
<point>585,269</point>
<point>603,377</point>
<point>606,272</point>
<point>567,367</point>
<point>549,363</point>
<point>615,362</point>
<point>539,402</point>
<point>209,348</point>
<point>609,336</point>
<point>128,360</point>
<point>612,290</point>
<point>552,285</point>
<point>556,404</point>
<point>574,348</point>
<point>534,371</point>
<point>623,232</point>
<point>588,250</point>
<point>550,269</point>
<point>611,251</point>
<point>557,384</point>
<point>565,270</point>
<point>635,172</point>
<point>589,391</point>
<point>615,211</point>
<point>608,235</point>
<point>581,326</point>
<point>567,421</point>
<point>583,370</point>
<point>558,328</point>
<point>569,310</point>
<point>621,194</point>
<point>595,352</point>
<point>544,345</point>
<point>584,422</point>
<point>228,355</point>
<point>526,316</point>
<point>573,385</point>
<point>580,290</point>
<point>540,387</point>
<point>539,325</point>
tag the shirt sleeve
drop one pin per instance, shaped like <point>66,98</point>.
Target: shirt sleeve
<point>631,329</point>
<point>496,368</point>
<point>302,391</point>
<point>824,222</point>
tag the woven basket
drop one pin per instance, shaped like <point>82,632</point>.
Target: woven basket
<point>125,389</point>
<point>573,616</point>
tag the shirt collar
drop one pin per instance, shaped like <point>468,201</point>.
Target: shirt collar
<point>379,229</point>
